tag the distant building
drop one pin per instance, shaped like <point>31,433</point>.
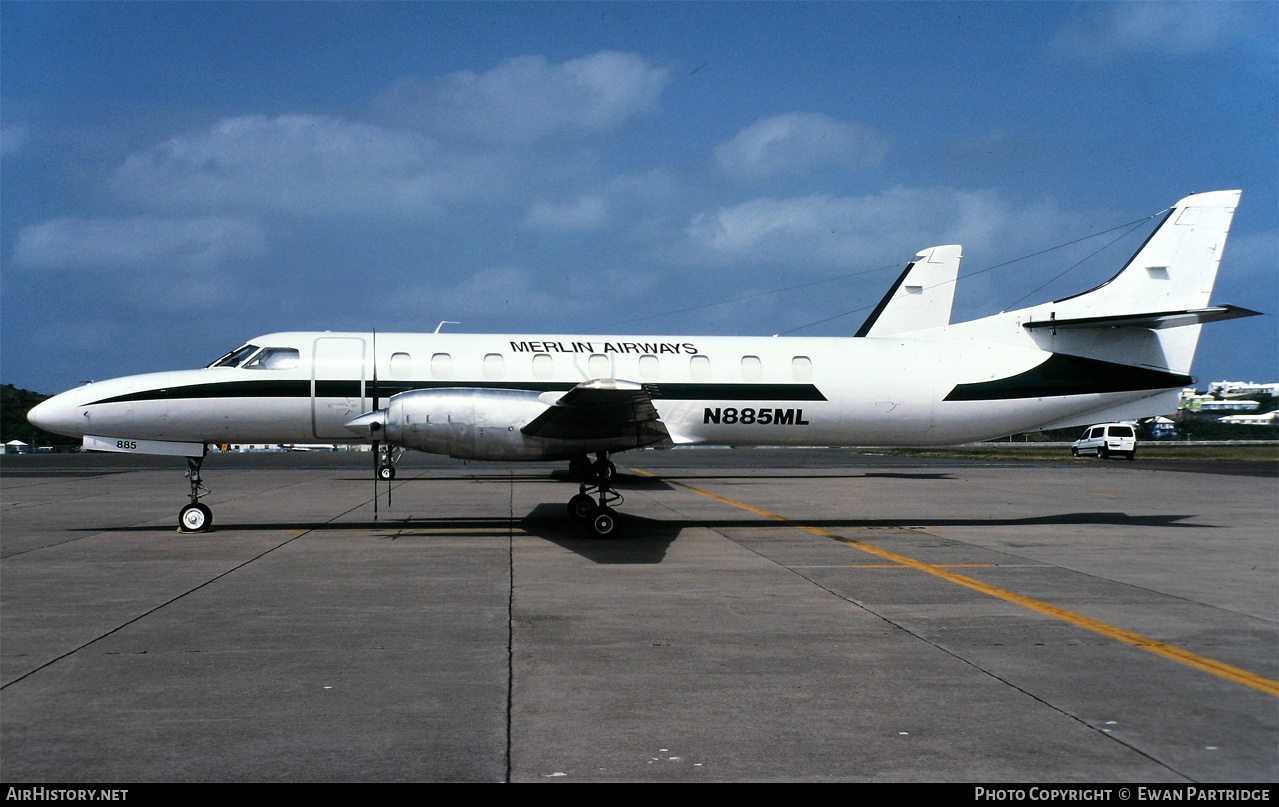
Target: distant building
<point>1268,419</point>
<point>1227,397</point>
<point>1242,389</point>
<point>1162,428</point>
<point>1230,405</point>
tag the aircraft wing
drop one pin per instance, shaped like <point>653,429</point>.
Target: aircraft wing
<point>602,409</point>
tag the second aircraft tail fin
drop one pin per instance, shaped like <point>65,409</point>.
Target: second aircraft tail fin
<point>922,296</point>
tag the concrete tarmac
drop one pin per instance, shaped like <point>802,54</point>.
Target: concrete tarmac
<point>765,615</point>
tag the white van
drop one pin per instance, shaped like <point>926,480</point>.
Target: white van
<point>1107,440</point>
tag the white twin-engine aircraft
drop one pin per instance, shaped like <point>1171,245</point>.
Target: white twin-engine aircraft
<point>908,378</point>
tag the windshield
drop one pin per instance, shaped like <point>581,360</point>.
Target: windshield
<point>236,356</point>
<point>274,358</point>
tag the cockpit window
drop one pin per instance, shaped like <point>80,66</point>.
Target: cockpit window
<point>236,356</point>
<point>274,358</point>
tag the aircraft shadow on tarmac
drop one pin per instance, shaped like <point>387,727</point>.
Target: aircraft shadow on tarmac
<point>641,540</point>
<point>622,481</point>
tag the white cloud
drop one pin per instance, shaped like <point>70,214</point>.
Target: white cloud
<point>1103,32</point>
<point>799,143</point>
<point>306,165</point>
<point>12,139</point>
<point>822,232</point>
<point>141,243</point>
<point>526,98</point>
<point>587,213</point>
<point>847,226</point>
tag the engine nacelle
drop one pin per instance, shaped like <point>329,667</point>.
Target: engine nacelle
<point>469,423</point>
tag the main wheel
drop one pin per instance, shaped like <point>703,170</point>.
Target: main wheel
<point>1103,453</point>
<point>603,523</point>
<point>1132,455</point>
<point>195,517</point>
<point>1074,452</point>
<point>386,472</point>
<point>580,507</point>
<point>605,470</point>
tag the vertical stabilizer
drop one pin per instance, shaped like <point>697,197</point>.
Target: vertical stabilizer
<point>1151,313</point>
<point>1173,271</point>
<point>922,296</point>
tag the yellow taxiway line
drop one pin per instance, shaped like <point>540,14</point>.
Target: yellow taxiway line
<point>1155,646</point>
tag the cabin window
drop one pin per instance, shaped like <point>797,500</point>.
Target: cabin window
<point>274,358</point>
<point>801,368</point>
<point>700,367</point>
<point>649,368</point>
<point>441,366</point>
<point>494,365</point>
<point>752,370</point>
<point>598,366</point>
<point>401,365</point>
<point>543,366</point>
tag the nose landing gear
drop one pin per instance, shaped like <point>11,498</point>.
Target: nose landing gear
<point>195,517</point>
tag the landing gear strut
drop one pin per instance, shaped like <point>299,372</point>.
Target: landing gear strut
<point>386,459</point>
<point>593,483</point>
<point>195,517</point>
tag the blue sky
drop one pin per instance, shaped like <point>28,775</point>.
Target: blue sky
<point>177,178</point>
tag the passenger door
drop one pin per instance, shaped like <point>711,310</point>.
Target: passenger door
<point>337,385</point>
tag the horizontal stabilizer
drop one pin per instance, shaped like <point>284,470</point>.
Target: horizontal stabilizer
<point>1161,319</point>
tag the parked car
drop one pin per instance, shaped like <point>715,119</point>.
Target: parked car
<point>1107,440</point>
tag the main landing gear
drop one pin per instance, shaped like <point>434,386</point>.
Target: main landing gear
<point>195,517</point>
<point>593,504</point>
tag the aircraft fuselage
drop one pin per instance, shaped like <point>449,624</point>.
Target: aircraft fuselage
<point>707,390</point>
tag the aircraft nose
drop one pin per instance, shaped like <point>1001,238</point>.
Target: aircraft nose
<point>57,415</point>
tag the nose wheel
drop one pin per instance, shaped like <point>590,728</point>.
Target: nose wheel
<point>195,517</point>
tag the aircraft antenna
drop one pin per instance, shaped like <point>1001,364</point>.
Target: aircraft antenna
<point>1130,226</point>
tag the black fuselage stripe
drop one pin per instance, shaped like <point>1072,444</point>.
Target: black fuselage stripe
<point>301,388</point>
<point>1061,374</point>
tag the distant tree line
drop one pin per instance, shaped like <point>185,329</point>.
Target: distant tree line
<point>14,405</point>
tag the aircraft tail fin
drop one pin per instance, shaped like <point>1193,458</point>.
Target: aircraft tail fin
<point>922,296</point>
<point>1150,313</point>
<point>1174,270</point>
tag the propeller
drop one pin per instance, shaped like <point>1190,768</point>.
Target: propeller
<point>375,428</point>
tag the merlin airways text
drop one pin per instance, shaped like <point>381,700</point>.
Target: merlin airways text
<point>607,347</point>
